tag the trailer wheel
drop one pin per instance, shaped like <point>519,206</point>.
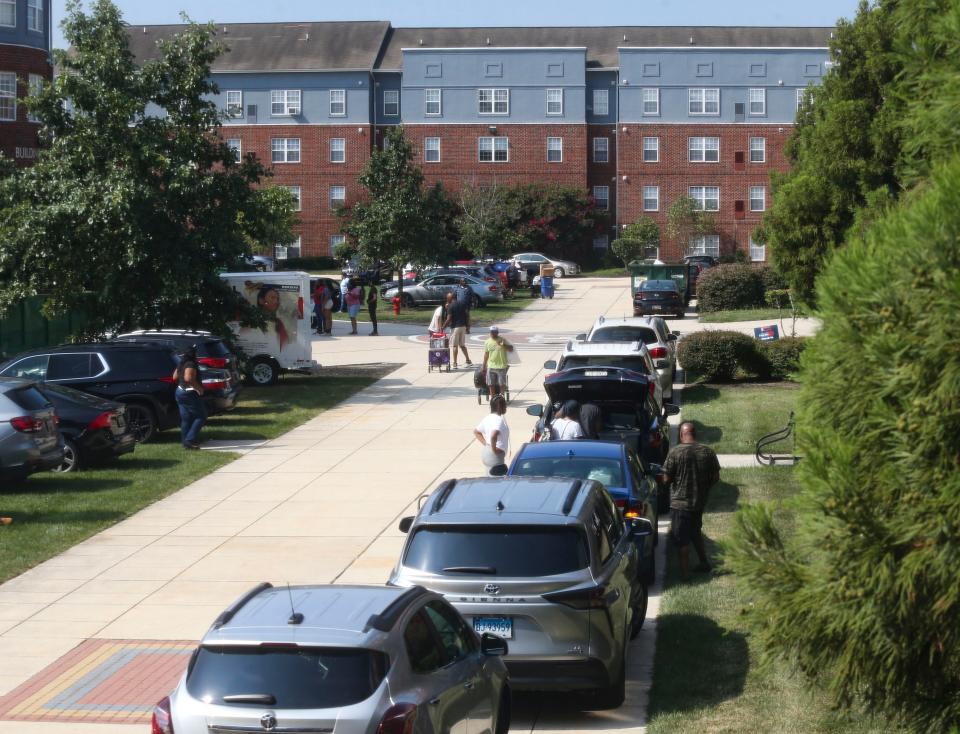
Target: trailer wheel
<point>263,372</point>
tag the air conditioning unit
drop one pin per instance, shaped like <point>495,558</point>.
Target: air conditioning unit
<point>293,110</point>
<point>252,111</point>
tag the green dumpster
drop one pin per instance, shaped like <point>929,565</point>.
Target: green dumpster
<point>641,270</point>
<point>25,327</point>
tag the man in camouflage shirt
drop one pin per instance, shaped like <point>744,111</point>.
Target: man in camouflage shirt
<point>690,470</point>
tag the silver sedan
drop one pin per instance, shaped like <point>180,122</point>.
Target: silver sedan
<point>434,290</point>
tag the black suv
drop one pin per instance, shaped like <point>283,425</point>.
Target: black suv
<point>138,375</point>
<point>219,367</point>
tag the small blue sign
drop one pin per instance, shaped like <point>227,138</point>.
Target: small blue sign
<point>766,333</point>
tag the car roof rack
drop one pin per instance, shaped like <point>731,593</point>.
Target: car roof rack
<point>385,620</point>
<point>443,493</point>
<point>230,612</point>
<point>572,496</point>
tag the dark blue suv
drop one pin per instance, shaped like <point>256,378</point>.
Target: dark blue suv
<point>616,466</point>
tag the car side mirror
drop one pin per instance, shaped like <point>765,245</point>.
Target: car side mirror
<point>405,524</point>
<point>492,645</point>
<point>671,409</point>
<point>640,527</point>
<point>535,410</point>
<point>550,364</point>
<point>672,336</point>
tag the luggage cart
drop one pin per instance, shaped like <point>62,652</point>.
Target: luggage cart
<point>439,354</point>
<point>483,389</point>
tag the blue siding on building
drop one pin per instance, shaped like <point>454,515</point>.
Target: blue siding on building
<point>19,34</point>
<point>384,81</point>
<point>733,71</point>
<point>314,96</point>
<point>527,73</point>
<point>602,80</point>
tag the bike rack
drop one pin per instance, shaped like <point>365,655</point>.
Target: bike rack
<point>771,459</point>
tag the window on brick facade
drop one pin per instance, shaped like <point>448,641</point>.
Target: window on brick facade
<point>8,12</point>
<point>601,102</point>
<point>338,150</point>
<point>338,196</point>
<point>35,85</point>
<point>651,101</point>
<point>651,150</point>
<point>708,244</point>
<point>601,197</point>
<point>338,102</point>
<point>758,198</point>
<point>651,198</point>
<point>282,252</point>
<point>35,20</point>
<point>337,239</point>
<point>554,101</point>
<point>432,101</point>
<point>391,102</point>
<point>285,150</point>
<point>493,101</point>
<point>758,150</point>
<point>494,150</point>
<point>284,102</point>
<point>758,101</point>
<point>707,197</point>
<point>236,146</point>
<point>703,101</point>
<point>758,253</point>
<point>8,95</point>
<point>554,150</point>
<point>601,242</point>
<point>601,150</point>
<point>295,193</point>
<point>431,150</point>
<point>234,106</point>
<point>703,150</point>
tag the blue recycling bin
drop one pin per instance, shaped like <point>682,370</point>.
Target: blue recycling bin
<point>546,286</point>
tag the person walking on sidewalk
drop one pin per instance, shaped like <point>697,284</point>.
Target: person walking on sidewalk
<point>458,318</point>
<point>690,470</point>
<point>193,411</point>
<point>493,433</point>
<point>354,298</point>
<point>372,306</point>
<point>495,361</point>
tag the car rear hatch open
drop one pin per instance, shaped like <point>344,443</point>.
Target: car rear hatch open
<point>596,384</point>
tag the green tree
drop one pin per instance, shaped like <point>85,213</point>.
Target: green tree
<point>553,218</point>
<point>686,221</point>
<point>636,240</point>
<point>129,213</point>
<point>399,220</point>
<point>863,592</point>
<point>485,223</point>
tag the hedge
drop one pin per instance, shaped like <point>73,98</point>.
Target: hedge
<point>728,287</point>
<point>781,356</point>
<point>718,356</point>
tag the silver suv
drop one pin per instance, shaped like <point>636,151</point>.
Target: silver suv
<point>349,659</point>
<point>29,439</point>
<point>548,564</point>
<point>632,355</point>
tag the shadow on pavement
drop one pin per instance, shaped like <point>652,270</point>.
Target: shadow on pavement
<point>723,497</point>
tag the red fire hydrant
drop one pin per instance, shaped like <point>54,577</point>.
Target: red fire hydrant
<point>396,305</point>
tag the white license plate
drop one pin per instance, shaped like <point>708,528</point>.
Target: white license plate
<point>595,373</point>
<point>656,308</point>
<point>500,626</point>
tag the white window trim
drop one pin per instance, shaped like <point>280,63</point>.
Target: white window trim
<point>606,150</point>
<point>605,95</point>
<point>286,152</point>
<point>342,92</point>
<point>331,199</point>
<point>800,95</point>
<point>34,85</point>
<point>702,148</point>
<point>548,101</point>
<point>396,102</point>
<point>493,101</point>
<point>226,103</point>
<point>702,202</point>
<point>439,102</point>
<point>12,4</point>
<point>762,149</point>
<point>288,108</point>
<point>762,198</point>
<point>763,102</point>
<point>238,151</point>
<point>553,137</point>
<point>643,198</point>
<point>754,248</point>
<point>342,150</point>
<point>702,248</point>
<point>703,101</point>
<point>606,199</point>
<point>426,148</point>
<point>643,101</point>
<point>12,95</point>
<point>643,150</point>
<point>493,148</point>
<point>298,196</point>
<point>40,27</point>
<point>337,239</point>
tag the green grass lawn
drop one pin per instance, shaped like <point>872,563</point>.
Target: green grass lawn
<point>707,676</point>
<point>52,512</point>
<point>745,314</point>
<point>495,313</point>
<point>730,418</point>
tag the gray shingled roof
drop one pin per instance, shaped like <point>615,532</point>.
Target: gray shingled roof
<point>281,46</point>
<point>601,42</point>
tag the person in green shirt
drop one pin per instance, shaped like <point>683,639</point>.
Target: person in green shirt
<point>495,361</point>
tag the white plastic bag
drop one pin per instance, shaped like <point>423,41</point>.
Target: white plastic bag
<point>513,356</point>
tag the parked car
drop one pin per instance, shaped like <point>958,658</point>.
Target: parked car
<point>612,463</point>
<point>699,264</point>
<point>29,439</point>
<point>93,429</point>
<point>636,421</point>
<point>138,375</point>
<point>219,367</point>
<point>661,343</point>
<point>658,297</point>
<point>434,290</point>
<point>260,263</point>
<point>531,261</point>
<point>548,564</point>
<point>625,355</point>
<point>350,659</point>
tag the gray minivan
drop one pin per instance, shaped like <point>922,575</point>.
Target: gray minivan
<point>29,439</point>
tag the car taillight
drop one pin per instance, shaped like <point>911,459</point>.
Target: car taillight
<point>493,289</point>
<point>399,719</point>
<point>642,296</point>
<point>101,421</point>
<point>629,511</point>
<point>658,353</point>
<point>215,362</point>
<point>162,722</point>
<point>593,597</point>
<point>26,424</point>
<point>168,380</point>
<point>215,385</point>
<point>651,387</point>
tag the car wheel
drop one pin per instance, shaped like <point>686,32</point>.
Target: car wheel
<point>260,267</point>
<point>503,713</point>
<point>264,371</point>
<point>639,612</point>
<point>558,273</point>
<point>650,575</point>
<point>142,421</point>
<point>408,301</point>
<point>71,457</point>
